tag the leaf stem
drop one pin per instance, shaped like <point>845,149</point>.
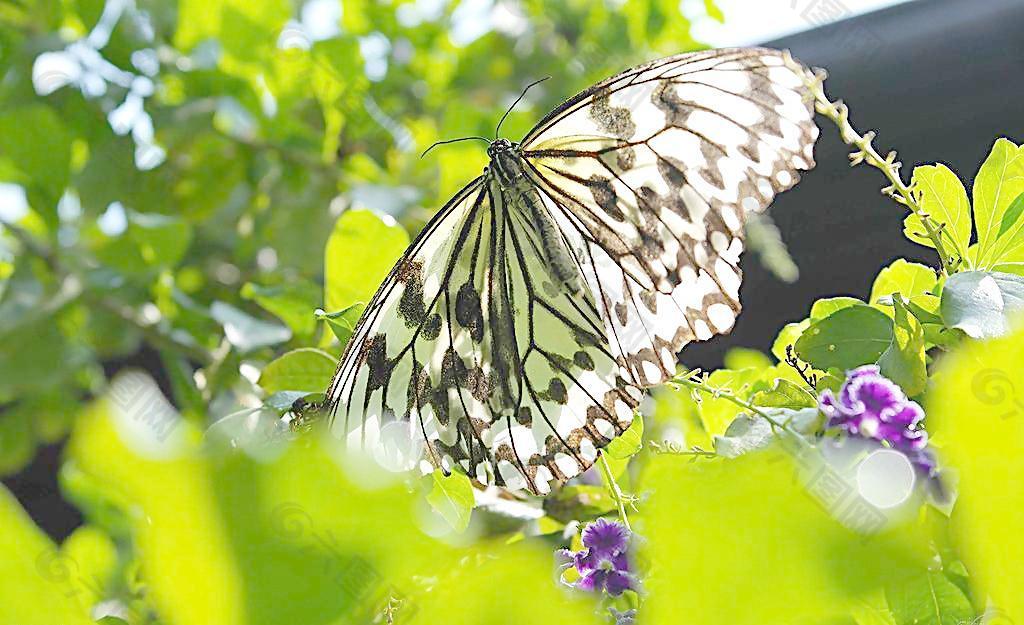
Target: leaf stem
<point>897,190</point>
<point>687,380</point>
<point>613,489</point>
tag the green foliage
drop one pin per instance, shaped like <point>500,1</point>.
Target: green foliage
<point>232,250</point>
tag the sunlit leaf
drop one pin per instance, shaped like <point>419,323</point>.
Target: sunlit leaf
<point>360,251</point>
<point>305,369</point>
<point>941,195</point>
<point>998,183</point>
<point>904,361</point>
<point>452,497</point>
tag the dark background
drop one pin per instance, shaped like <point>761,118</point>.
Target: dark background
<point>939,80</point>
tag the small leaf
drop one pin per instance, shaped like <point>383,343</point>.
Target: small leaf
<point>846,339</point>
<point>788,336</point>
<point>245,331</point>
<point>941,195</point>
<point>452,498</point>
<point>744,434</point>
<point>825,307</point>
<point>982,303</point>
<point>904,361</point>
<point>343,322</point>
<point>630,442</point>
<point>928,599</point>
<point>304,369</point>
<point>783,394</point>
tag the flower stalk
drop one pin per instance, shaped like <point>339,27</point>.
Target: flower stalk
<point>897,190</point>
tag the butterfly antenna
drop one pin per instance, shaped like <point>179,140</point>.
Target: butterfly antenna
<point>437,143</point>
<point>521,95</point>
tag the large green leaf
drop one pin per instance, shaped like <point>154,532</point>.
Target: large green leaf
<point>850,337</point>
<point>982,304</point>
<point>976,415</point>
<point>360,252</point>
<point>998,183</point>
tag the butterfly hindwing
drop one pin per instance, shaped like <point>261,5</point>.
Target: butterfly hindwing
<point>655,170</point>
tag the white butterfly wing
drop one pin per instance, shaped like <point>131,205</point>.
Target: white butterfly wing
<point>468,355</point>
<point>653,171</point>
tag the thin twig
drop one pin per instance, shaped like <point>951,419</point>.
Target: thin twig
<point>897,190</point>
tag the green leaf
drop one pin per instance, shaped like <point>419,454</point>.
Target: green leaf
<point>343,322</point>
<point>998,183</point>
<point>824,307</point>
<point>850,337</point>
<point>245,331</point>
<point>982,304</point>
<point>360,252</point>
<point>941,194</point>
<point>452,498</point>
<point>293,303</point>
<point>743,358</point>
<point>928,599</point>
<point>162,240</point>
<point>34,141</point>
<point>904,362</point>
<point>304,369</point>
<point>788,336</point>
<point>978,414</point>
<point>745,434</point>
<point>40,584</point>
<point>910,279</point>
<point>784,394</point>
<point>630,442</point>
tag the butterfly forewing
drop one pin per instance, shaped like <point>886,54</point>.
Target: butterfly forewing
<point>477,353</point>
<point>470,355</point>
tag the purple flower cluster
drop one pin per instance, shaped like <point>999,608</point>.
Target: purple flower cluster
<point>872,406</point>
<point>602,563</point>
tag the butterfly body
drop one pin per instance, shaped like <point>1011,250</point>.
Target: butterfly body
<point>513,339</point>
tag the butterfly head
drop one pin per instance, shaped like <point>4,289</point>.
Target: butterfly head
<point>499,146</point>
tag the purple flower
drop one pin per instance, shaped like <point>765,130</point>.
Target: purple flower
<point>602,563</point>
<point>871,405</point>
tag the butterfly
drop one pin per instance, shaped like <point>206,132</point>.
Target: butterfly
<point>515,336</point>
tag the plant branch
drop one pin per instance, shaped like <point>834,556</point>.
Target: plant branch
<point>897,190</point>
